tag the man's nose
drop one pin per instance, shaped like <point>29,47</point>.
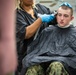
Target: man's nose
<point>62,17</point>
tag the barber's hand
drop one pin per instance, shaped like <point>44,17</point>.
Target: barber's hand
<point>46,18</point>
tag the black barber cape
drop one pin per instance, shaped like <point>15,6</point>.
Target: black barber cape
<point>53,44</point>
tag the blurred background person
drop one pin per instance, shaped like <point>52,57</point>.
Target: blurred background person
<point>8,54</point>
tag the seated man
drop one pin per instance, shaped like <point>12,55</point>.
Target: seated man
<point>54,51</point>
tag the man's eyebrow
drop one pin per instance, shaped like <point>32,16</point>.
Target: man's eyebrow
<point>58,13</point>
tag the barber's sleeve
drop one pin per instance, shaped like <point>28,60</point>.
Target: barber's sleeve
<point>20,27</point>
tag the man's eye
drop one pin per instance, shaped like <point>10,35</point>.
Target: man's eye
<point>65,15</point>
<point>59,15</point>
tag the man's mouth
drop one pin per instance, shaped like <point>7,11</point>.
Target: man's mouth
<point>61,22</point>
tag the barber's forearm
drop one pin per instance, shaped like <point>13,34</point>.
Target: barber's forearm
<point>31,30</point>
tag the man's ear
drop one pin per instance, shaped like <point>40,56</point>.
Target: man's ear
<point>72,18</point>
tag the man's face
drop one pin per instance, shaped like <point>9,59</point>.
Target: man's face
<point>64,17</point>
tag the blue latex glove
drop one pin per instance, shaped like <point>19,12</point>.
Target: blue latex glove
<point>66,4</point>
<point>46,18</point>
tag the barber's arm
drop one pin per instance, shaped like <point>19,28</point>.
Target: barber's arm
<point>30,30</point>
<point>25,31</point>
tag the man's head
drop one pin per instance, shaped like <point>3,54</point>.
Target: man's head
<point>64,14</point>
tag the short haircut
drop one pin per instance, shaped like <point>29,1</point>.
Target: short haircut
<point>66,7</point>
